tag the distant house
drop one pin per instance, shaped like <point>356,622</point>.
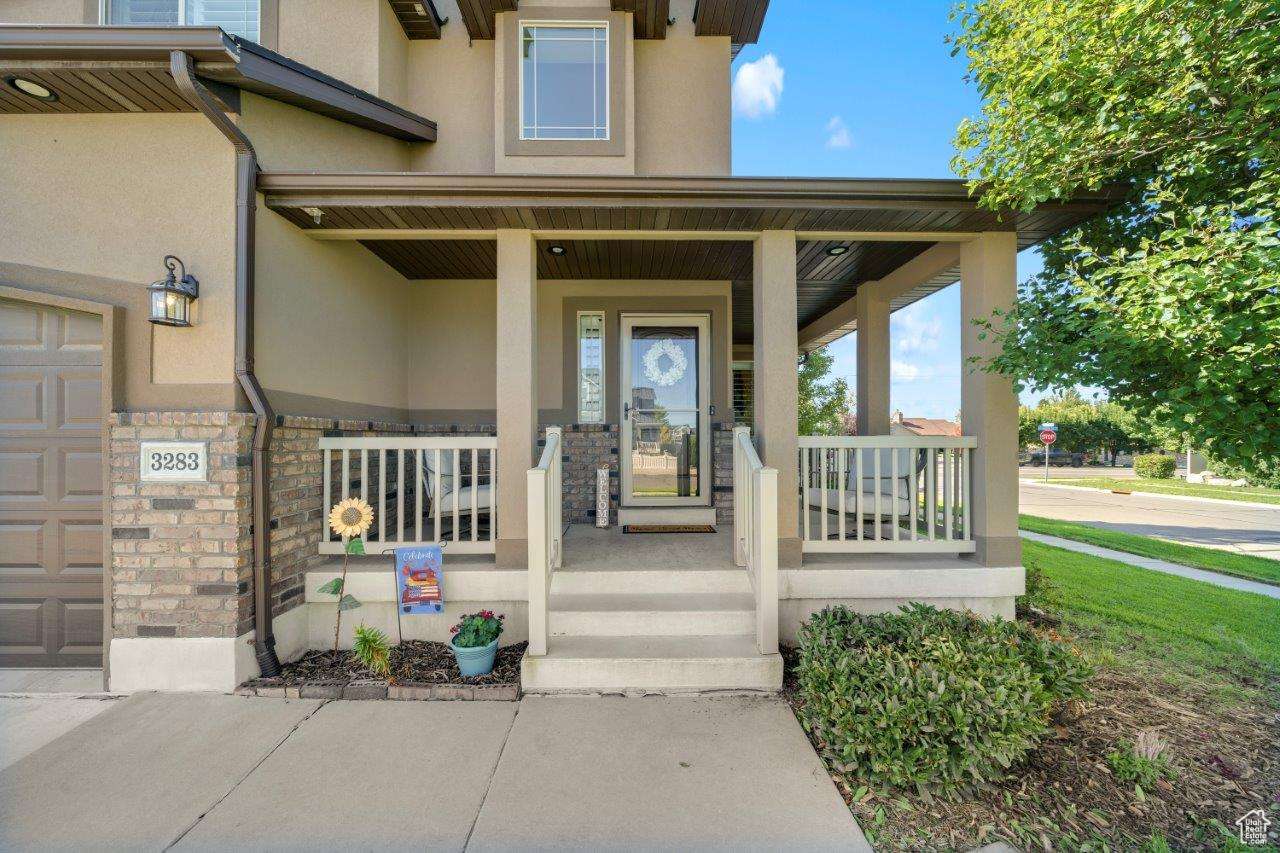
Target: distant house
<point>899,425</point>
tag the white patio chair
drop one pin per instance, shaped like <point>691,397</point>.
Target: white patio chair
<point>451,495</point>
<point>860,497</point>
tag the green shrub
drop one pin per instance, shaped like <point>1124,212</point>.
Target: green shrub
<point>373,650</point>
<point>928,699</point>
<point>1154,466</point>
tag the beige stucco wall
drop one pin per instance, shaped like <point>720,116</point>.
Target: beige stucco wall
<point>452,349</point>
<point>682,101</point>
<point>452,341</point>
<point>288,138</point>
<point>358,41</point>
<point>331,324</point>
<point>450,81</point>
<point>48,11</point>
<point>108,196</point>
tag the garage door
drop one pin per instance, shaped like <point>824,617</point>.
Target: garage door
<point>50,486</point>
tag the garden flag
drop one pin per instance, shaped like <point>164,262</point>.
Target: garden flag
<point>420,579</point>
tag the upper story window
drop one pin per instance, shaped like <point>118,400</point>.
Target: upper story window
<point>238,17</point>
<point>564,81</point>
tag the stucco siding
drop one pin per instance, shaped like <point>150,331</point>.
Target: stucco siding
<point>340,39</point>
<point>331,320</point>
<point>453,329</point>
<point>108,196</point>
<point>289,138</point>
<point>682,109</point>
<point>49,12</point>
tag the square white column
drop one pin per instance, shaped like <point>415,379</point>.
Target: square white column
<point>873,359</point>
<point>989,405</point>
<point>776,382</point>
<point>517,390</point>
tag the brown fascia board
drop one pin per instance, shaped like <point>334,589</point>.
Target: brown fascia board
<point>368,187</point>
<point>221,57</point>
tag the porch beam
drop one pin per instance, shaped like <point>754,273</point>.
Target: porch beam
<point>873,361</point>
<point>932,262</point>
<point>988,403</point>
<point>776,385</point>
<point>517,391</point>
<point>322,233</point>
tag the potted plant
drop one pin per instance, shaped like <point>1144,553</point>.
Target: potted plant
<point>475,642</point>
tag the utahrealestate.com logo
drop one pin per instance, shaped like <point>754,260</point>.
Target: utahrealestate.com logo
<point>1253,827</point>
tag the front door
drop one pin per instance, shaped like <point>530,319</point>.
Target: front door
<point>666,422</point>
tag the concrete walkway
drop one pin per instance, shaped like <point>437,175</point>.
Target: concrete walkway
<point>205,772</point>
<point>1215,578</point>
<point>1245,529</point>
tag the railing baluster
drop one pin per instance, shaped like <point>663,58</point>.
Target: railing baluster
<point>913,494</point>
<point>346,474</point>
<point>859,501</point>
<point>457,490</point>
<point>824,486</point>
<point>437,498</point>
<point>382,496</point>
<point>805,486</point>
<point>893,492</point>
<point>947,499</point>
<point>401,485</point>
<point>878,487</point>
<point>931,494</point>
<point>842,487</point>
<point>419,492</point>
<point>966,456</point>
<point>327,489</point>
<point>475,494</point>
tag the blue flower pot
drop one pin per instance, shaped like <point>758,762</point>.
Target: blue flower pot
<point>476,660</point>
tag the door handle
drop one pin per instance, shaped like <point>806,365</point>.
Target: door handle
<point>626,411</point>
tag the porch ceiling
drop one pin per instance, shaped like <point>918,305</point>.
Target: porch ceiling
<point>443,226</point>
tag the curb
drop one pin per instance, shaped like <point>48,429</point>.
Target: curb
<point>1136,493</point>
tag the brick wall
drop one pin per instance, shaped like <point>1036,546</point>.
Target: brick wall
<point>588,447</point>
<point>180,551</point>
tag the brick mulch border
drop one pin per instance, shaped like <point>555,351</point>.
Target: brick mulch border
<point>373,689</point>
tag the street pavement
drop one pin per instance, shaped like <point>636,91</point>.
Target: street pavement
<point>1210,523</point>
<point>217,772</point>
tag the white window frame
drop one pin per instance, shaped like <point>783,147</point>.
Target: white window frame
<point>608,125</point>
<point>603,372</point>
<point>104,15</point>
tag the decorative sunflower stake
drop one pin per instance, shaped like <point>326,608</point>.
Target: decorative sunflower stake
<point>350,519</point>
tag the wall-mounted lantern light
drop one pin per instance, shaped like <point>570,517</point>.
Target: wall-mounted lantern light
<point>171,297</point>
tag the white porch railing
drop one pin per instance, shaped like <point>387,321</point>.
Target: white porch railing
<point>755,533</point>
<point>545,536</point>
<point>886,494</point>
<point>423,490</point>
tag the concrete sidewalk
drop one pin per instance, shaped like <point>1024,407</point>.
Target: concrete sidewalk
<point>1215,578</point>
<point>205,771</point>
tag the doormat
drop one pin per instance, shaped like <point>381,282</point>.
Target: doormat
<point>668,528</point>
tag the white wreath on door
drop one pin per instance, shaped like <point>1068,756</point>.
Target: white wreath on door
<point>653,371</point>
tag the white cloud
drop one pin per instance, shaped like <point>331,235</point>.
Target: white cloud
<point>916,329</point>
<point>838,135</point>
<point>757,87</point>
<point>902,371</point>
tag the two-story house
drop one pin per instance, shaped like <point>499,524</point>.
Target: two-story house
<point>459,257</point>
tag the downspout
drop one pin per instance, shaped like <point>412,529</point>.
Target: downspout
<point>180,66</point>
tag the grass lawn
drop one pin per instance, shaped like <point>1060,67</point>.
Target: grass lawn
<point>1226,562</point>
<point>1255,494</point>
<point>1183,631</point>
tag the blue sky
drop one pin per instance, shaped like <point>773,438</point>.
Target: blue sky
<point>872,92</point>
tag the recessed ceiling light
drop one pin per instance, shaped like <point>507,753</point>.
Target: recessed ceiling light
<point>837,250</point>
<point>32,89</point>
<point>556,249</point>
<point>314,212</point>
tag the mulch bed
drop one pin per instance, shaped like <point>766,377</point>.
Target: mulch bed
<point>1064,795</point>
<point>416,666</point>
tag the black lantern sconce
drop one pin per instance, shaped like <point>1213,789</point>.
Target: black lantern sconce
<point>171,297</point>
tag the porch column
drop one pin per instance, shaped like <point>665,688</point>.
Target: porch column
<point>776,391</point>
<point>988,404</point>
<point>517,390</point>
<point>872,309</point>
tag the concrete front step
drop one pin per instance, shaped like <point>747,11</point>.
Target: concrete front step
<point>667,614</point>
<point>659,664</point>
<point>649,581</point>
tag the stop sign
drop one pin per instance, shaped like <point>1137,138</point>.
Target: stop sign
<point>1048,436</point>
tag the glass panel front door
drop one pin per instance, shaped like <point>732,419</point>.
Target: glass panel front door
<point>665,416</point>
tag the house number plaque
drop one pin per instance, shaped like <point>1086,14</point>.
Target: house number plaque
<point>174,461</point>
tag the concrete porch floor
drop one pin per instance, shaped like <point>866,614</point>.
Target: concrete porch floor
<point>215,772</point>
<point>590,548</point>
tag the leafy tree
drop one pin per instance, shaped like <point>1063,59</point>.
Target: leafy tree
<point>1171,301</point>
<point>823,400</point>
